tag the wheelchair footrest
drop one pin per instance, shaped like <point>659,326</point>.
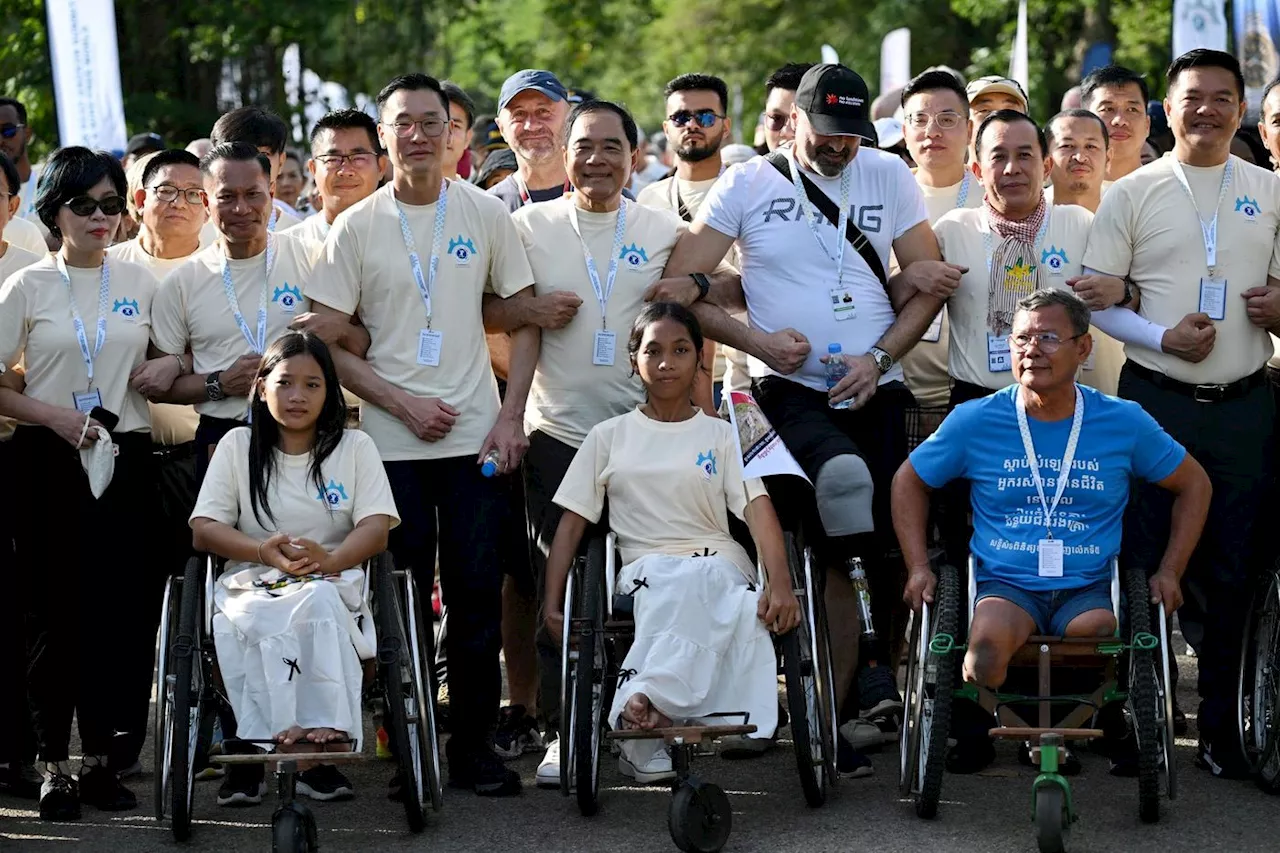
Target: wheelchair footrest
<point>1034,734</point>
<point>687,734</point>
<point>277,757</point>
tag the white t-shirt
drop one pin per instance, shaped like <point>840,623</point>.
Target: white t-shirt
<point>1147,229</point>
<point>14,259</point>
<point>355,488</point>
<point>192,311</point>
<point>312,231</point>
<point>26,234</point>
<point>27,192</point>
<point>571,393</point>
<point>36,326</point>
<point>365,270</point>
<point>787,277</point>
<point>670,485</point>
<point>668,193</point>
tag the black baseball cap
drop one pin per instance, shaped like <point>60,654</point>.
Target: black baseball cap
<point>144,143</point>
<point>836,101</point>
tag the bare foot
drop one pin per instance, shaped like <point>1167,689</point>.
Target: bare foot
<point>325,735</point>
<point>292,735</point>
<point>639,713</point>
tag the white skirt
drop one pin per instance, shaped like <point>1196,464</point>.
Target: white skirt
<point>291,656</point>
<point>700,648</point>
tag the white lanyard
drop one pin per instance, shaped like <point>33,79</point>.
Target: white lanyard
<point>813,215</point>
<point>258,344</point>
<point>593,272</point>
<point>1208,230</point>
<point>1064,473</point>
<point>104,307</point>
<point>425,284</point>
<point>989,248</point>
<point>963,195</point>
<point>271,220</point>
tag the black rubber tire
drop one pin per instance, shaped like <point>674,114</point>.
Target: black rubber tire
<point>591,673</point>
<point>1144,701</point>
<point>1261,655</point>
<point>1053,824</point>
<point>795,670</point>
<point>293,831</point>
<point>188,692</point>
<point>428,733</point>
<point>947,603</point>
<point>699,817</point>
<point>168,631</point>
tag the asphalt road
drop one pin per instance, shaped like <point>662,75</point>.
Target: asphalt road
<point>989,812</point>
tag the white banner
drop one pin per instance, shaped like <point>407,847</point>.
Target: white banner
<point>1018,64</point>
<point>1199,23</point>
<point>895,59</point>
<point>86,73</point>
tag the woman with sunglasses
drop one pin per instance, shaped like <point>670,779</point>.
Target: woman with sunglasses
<point>80,324</point>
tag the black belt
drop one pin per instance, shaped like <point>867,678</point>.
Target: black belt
<point>174,452</point>
<point>1210,393</point>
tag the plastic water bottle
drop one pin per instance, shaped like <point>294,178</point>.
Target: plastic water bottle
<point>858,577</point>
<point>489,467</point>
<point>836,370</point>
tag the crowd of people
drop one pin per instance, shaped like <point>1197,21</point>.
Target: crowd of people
<point>539,316</point>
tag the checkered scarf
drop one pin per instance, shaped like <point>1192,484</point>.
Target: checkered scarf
<point>1014,265</point>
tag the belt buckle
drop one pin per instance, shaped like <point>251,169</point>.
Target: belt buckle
<point>1209,393</point>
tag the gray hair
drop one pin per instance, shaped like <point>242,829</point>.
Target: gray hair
<point>1077,311</point>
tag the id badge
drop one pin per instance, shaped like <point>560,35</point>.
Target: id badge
<point>842,303</point>
<point>1213,298</point>
<point>999,359</point>
<point>1050,551</point>
<point>605,346</point>
<point>86,400</point>
<point>934,333</point>
<point>429,347</point>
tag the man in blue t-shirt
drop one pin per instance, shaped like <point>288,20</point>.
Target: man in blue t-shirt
<point>1043,547</point>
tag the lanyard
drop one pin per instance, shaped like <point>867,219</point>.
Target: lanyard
<point>104,306</point>
<point>1208,230</point>
<point>963,195</point>
<point>593,272</point>
<point>812,216</point>
<point>1064,473</point>
<point>271,220</point>
<point>425,284</point>
<point>989,248</point>
<point>258,344</point>
<point>525,198</point>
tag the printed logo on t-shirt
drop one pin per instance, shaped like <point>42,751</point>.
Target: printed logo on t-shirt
<point>127,309</point>
<point>462,250</point>
<point>1248,207</point>
<point>287,298</point>
<point>707,462</point>
<point>1055,259</point>
<point>333,495</point>
<point>633,256</point>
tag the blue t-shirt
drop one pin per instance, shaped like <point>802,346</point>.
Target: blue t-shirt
<point>980,442</point>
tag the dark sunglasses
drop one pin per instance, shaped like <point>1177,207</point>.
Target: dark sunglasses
<point>112,205</point>
<point>774,121</point>
<point>9,131</point>
<point>704,118</point>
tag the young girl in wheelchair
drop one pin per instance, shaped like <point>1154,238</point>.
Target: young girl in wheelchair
<point>702,625</point>
<point>295,503</point>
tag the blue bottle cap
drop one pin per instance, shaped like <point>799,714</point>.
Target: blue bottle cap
<point>833,348</point>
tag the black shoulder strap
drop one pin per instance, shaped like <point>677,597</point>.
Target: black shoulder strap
<point>828,209</point>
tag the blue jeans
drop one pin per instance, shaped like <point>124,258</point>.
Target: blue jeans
<point>1051,611</point>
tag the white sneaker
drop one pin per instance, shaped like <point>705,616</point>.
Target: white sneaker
<point>549,768</point>
<point>656,769</point>
<point>863,735</point>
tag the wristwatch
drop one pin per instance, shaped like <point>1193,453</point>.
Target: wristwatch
<point>1128,294</point>
<point>884,361</point>
<point>213,387</point>
<point>704,284</point>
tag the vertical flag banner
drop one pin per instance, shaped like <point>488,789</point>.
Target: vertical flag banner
<point>86,73</point>
<point>895,59</point>
<point>1257,25</point>
<point>1199,23</point>
<point>829,55</point>
<point>1018,65</point>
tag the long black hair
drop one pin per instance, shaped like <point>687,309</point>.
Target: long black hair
<point>266,432</point>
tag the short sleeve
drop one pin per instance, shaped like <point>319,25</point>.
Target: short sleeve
<point>942,457</point>
<point>1110,246</point>
<point>169,330</point>
<point>509,270</point>
<point>583,488</point>
<point>909,209</point>
<point>219,497</point>
<point>944,230</point>
<point>1156,454</point>
<point>373,489</point>
<point>335,279</point>
<point>1273,270</point>
<point>13,320</point>
<point>725,204</point>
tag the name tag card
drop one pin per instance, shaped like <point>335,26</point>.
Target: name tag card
<point>86,400</point>
<point>1051,552</point>
<point>429,341</point>
<point>605,347</point>
<point>999,359</point>
<point>1213,298</point>
<point>842,303</point>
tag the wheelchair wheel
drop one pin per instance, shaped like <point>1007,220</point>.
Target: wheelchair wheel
<point>1259,691</point>
<point>699,817</point>
<point>806,667</point>
<point>161,728</point>
<point>186,693</point>
<point>568,684</point>
<point>936,684</point>
<point>1144,698</point>
<point>421,653</point>
<point>1053,823</point>
<point>589,681</point>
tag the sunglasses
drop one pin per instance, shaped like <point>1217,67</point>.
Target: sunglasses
<point>704,118</point>
<point>9,131</point>
<point>775,122</point>
<point>112,205</point>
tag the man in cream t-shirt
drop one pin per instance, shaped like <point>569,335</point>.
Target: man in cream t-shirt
<point>268,133</point>
<point>414,261</point>
<point>1196,233</point>
<point>1080,151</point>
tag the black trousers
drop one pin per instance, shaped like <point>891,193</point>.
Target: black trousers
<point>17,739</point>
<point>208,433</point>
<point>1232,440</point>
<point>446,504</point>
<point>92,597</point>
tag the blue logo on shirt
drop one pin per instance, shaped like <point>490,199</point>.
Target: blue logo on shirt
<point>333,495</point>
<point>633,256</point>
<point>707,462</point>
<point>1054,258</point>
<point>462,249</point>
<point>287,298</point>
<point>126,308</point>
<point>1247,206</point>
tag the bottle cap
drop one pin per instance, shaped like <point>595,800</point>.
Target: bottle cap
<point>489,468</point>
<point>833,348</point>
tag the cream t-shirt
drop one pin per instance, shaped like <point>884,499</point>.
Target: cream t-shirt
<point>26,234</point>
<point>570,393</point>
<point>284,221</point>
<point>14,259</point>
<point>192,311</point>
<point>365,270</point>
<point>669,485</point>
<point>355,488</point>
<point>36,326</point>
<point>961,237</point>
<point>312,231</point>
<point>1147,229</point>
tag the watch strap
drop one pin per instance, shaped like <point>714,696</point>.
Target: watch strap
<point>704,284</point>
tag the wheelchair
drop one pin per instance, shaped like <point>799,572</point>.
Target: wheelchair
<point>1259,683</point>
<point>1135,672</point>
<point>189,696</point>
<point>598,629</point>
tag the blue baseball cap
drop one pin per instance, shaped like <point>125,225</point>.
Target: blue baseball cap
<point>531,78</point>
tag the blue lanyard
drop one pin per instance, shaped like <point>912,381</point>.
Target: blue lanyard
<point>104,307</point>
<point>602,293</point>
<point>259,343</point>
<point>425,284</point>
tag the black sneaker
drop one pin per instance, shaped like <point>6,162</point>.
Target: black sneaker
<point>517,733</point>
<point>1179,720</point>
<point>325,782</point>
<point>852,762</point>
<point>101,788</point>
<point>243,785</point>
<point>60,798</point>
<point>970,755</point>
<point>878,698</point>
<point>482,771</point>
<point>1225,763</point>
<point>21,779</point>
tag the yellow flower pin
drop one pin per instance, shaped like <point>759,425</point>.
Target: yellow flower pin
<point>1020,276</point>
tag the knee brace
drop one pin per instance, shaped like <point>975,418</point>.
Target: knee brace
<point>844,490</point>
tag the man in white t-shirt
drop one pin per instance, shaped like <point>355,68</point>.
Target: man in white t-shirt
<point>171,205</point>
<point>414,261</point>
<point>1080,151</point>
<point>1118,96</point>
<point>267,132</point>
<point>346,164</point>
<point>1196,233</point>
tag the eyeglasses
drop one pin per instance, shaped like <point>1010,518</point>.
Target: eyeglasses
<point>945,121</point>
<point>404,128</point>
<point>9,131</point>
<point>168,194</point>
<point>1049,342</point>
<point>774,121</point>
<point>360,159</point>
<point>112,205</point>
<point>704,118</point>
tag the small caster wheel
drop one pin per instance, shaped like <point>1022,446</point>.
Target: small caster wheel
<point>699,817</point>
<point>293,830</point>
<point>1053,823</point>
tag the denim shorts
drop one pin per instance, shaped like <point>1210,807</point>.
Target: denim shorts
<point>1052,611</point>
